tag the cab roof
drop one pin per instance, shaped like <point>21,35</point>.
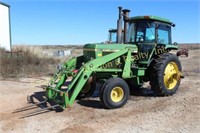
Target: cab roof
<point>155,18</point>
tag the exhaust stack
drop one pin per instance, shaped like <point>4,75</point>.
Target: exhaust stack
<point>119,26</point>
<point>125,19</point>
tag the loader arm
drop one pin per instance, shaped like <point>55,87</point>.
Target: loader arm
<point>67,97</point>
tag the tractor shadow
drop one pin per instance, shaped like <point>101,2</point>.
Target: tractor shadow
<point>87,102</point>
<point>96,104</point>
<point>93,102</point>
<point>145,92</point>
<point>37,97</point>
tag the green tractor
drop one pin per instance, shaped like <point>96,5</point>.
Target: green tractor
<point>112,36</point>
<point>121,67</point>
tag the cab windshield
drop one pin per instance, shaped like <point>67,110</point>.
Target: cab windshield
<point>145,32</point>
<point>141,32</point>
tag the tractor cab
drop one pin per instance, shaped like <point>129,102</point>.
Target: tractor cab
<point>151,34</point>
<point>112,36</point>
<point>149,30</point>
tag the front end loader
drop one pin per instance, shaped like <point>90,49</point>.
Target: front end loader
<point>121,67</point>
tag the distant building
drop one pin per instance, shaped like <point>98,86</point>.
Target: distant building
<point>5,31</point>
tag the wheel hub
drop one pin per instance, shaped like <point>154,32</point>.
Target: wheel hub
<point>117,94</point>
<point>171,75</point>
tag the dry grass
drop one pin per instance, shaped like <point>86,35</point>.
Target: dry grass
<point>48,50</point>
<point>191,46</point>
<point>30,60</point>
<point>23,61</point>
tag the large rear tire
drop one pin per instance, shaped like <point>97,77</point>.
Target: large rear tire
<point>114,93</point>
<point>165,74</point>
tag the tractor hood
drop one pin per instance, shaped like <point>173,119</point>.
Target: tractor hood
<point>108,47</point>
<point>93,51</point>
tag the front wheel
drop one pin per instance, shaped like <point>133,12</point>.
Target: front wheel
<point>114,93</point>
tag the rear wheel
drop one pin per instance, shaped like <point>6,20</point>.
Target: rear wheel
<point>114,93</point>
<point>165,74</point>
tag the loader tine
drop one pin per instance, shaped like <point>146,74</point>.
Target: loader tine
<point>40,111</point>
<point>28,107</point>
<point>24,109</point>
<point>35,113</point>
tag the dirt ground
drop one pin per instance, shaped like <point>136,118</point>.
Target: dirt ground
<point>177,113</point>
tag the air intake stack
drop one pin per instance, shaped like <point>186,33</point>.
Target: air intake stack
<point>125,19</point>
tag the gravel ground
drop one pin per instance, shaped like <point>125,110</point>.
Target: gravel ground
<point>177,113</point>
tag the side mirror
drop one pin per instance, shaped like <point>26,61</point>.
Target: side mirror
<point>173,25</point>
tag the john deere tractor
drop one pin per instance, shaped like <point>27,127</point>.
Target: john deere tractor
<point>121,67</point>
<point>112,36</point>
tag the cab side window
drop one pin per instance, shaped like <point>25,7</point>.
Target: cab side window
<point>164,32</point>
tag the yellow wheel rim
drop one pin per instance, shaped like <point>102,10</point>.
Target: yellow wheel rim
<point>171,75</point>
<point>117,94</point>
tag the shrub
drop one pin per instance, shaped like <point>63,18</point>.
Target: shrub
<point>23,62</point>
